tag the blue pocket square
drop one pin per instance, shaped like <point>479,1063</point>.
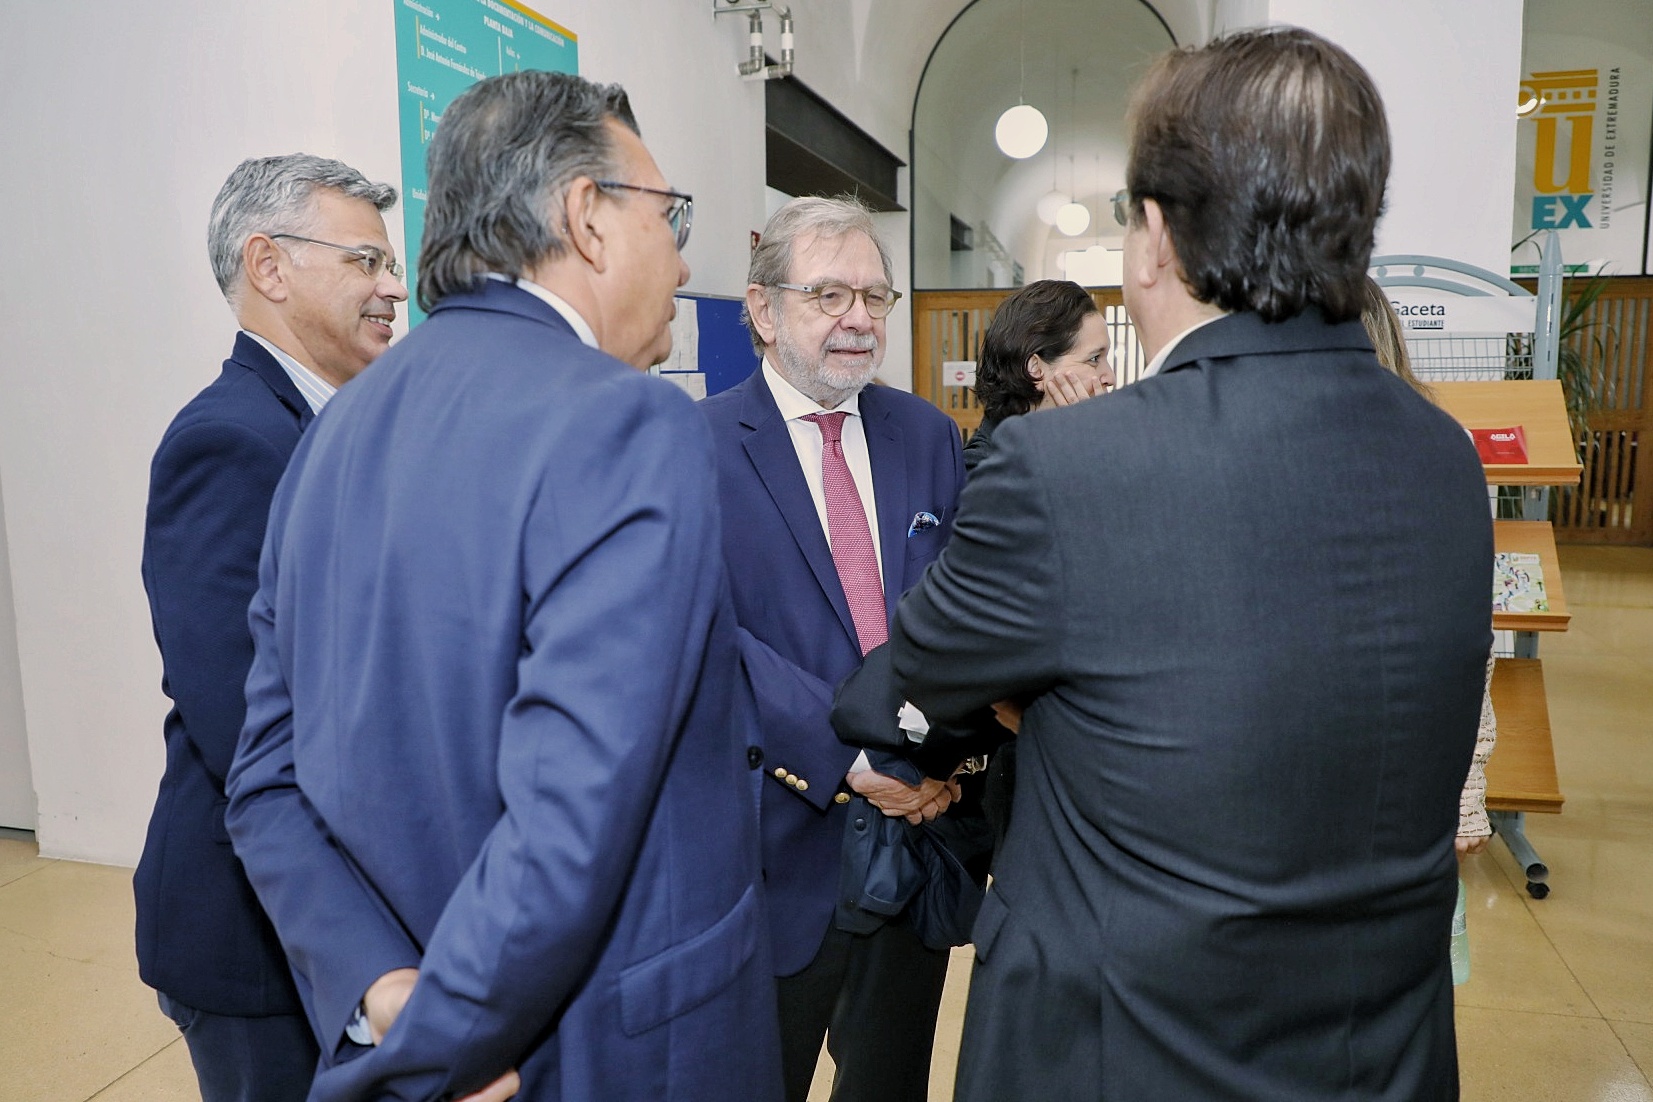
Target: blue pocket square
<point>922,521</point>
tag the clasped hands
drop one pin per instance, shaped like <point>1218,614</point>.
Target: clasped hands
<point>383,1004</point>
<point>916,803</point>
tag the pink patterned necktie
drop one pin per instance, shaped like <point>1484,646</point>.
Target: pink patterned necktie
<point>847,532</point>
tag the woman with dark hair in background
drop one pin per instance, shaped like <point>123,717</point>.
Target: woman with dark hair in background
<point>1047,347</point>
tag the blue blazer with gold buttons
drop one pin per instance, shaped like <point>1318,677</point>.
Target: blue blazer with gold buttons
<point>797,638</point>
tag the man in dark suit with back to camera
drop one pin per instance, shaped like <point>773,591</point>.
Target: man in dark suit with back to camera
<point>835,496</point>
<point>1244,602</point>
<point>491,788</point>
<point>298,246</point>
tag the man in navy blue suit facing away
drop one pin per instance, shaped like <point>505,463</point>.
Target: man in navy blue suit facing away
<point>1244,604</point>
<point>299,249</point>
<point>491,787</point>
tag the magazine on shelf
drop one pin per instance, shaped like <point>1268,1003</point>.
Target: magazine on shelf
<point>1518,583</point>
<point>1506,445</point>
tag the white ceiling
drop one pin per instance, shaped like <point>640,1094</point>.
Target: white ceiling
<point>869,57</point>
<point>1075,60</point>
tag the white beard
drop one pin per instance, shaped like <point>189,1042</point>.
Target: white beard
<point>814,374</point>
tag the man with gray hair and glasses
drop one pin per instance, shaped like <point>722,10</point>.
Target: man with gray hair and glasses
<point>492,787</point>
<point>836,495</point>
<point>298,245</point>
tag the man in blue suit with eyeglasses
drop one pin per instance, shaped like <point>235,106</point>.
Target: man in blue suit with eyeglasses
<point>491,788</point>
<point>835,496</point>
<point>298,246</point>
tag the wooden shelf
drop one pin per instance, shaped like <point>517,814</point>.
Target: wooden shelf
<point>1521,772</point>
<point>1537,405</point>
<point>1533,537</point>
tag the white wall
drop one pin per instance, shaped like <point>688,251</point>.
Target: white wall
<point>1448,74</point>
<point>121,122</point>
<point>16,780</point>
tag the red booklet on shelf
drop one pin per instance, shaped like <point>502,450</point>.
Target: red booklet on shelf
<point>1500,445</point>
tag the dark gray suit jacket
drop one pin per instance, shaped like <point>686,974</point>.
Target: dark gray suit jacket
<point>1251,593</point>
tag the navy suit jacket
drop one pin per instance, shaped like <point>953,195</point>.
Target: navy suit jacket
<point>1249,597</point>
<point>490,729</point>
<point>798,640</point>
<point>202,937</point>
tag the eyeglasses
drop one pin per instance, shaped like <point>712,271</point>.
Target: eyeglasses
<point>836,299</point>
<point>372,258</point>
<point>1122,207</point>
<point>679,215</point>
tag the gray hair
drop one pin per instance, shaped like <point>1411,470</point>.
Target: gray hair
<point>502,157</point>
<point>811,215</point>
<point>275,195</point>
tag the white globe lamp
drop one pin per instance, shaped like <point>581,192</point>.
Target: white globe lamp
<point>1021,131</point>
<point>1073,219</point>
<point>1050,204</point>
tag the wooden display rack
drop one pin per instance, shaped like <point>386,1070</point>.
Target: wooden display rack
<point>1521,775</point>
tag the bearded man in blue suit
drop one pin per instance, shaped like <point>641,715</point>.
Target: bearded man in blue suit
<point>298,247</point>
<point>491,788</point>
<point>835,495</point>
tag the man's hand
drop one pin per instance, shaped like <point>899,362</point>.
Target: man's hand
<point>1068,386</point>
<point>1009,715</point>
<point>1468,846</point>
<point>385,999</point>
<point>917,804</point>
<point>383,1003</point>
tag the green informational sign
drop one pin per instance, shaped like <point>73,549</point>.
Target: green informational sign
<point>442,48</point>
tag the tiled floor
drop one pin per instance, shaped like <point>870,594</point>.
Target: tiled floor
<point>1559,1007</point>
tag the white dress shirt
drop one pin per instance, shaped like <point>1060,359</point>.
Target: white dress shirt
<point>582,328</point>
<point>312,387</point>
<point>806,441</point>
<point>1165,353</point>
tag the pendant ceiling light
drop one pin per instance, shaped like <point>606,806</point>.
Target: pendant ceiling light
<point>1021,131</point>
<point>1052,202</point>
<point>1073,219</point>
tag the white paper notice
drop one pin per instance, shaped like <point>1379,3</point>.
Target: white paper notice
<point>685,339</point>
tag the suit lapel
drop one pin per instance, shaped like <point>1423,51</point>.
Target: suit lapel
<point>888,459</point>
<point>769,447</point>
<point>255,358</point>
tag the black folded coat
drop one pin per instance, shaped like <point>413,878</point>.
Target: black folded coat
<point>935,872</point>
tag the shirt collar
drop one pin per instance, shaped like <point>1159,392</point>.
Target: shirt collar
<point>1165,353</point>
<point>794,403</point>
<point>312,387</point>
<point>582,329</point>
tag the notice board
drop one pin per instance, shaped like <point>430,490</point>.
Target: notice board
<point>442,48</point>
<point>711,348</point>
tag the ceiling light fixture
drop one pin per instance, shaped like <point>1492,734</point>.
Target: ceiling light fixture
<point>1021,131</point>
<point>1073,219</point>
